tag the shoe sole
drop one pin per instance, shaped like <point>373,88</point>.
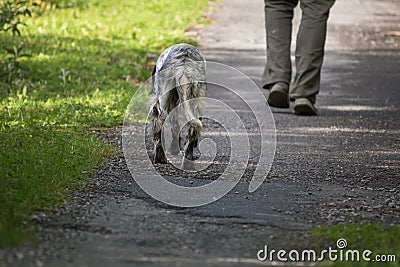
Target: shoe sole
<point>303,106</point>
<point>278,99</point>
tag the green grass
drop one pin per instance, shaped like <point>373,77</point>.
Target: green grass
<point>39,167</point>
<point>73,68</point>
<point>85,64</point>
<point>380,239</point>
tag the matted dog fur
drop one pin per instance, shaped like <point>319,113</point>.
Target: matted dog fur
<point>179,76</point>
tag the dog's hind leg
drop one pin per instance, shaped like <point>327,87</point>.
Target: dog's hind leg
<point>192,140</point>
<point>176,143</point>
<point>157,123</point>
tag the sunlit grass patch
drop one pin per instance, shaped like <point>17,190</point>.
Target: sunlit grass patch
<point>378,238</point>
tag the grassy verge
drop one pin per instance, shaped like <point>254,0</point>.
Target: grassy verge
<point>380,239</point>
<point>74,67</point>
<point>39,168</point>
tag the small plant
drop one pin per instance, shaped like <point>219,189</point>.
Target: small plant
<point>13,64</point>
<point>11,13</point>
<point>63,77</point>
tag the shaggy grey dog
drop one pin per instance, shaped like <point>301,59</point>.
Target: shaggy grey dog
<point>178,80</point>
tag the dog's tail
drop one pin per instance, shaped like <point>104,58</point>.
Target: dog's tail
<point>186,81</point>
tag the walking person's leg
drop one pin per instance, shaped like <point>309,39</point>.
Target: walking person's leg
<point>278,70</point>
<point>310,54</point>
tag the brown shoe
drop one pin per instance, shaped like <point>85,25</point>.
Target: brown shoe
<point>279,95</point>
<point>303,106</point>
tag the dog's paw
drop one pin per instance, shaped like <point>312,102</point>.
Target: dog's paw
<point>160,159</point>
<point>196,154</point>
<point>159,156</point>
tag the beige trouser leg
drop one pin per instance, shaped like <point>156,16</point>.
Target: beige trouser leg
<point>309,47</point>
<point>278,25</point>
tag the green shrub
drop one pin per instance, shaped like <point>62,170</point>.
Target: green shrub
<point>11,13</point>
